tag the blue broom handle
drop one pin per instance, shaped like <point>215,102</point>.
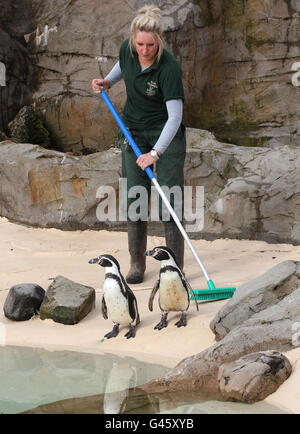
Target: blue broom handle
<point>125,130</point>
<point>154,181</point>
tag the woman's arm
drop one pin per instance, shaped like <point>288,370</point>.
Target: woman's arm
<point>114,75</point>
<point>175,108</point>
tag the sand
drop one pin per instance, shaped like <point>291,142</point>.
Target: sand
<point>35,255</point>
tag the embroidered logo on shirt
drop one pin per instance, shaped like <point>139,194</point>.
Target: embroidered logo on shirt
<point>152,88</point>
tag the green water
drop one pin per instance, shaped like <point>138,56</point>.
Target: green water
<point>34,376</point>
<point>35,380</point>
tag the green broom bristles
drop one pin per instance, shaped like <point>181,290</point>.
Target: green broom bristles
<point>212,294</point>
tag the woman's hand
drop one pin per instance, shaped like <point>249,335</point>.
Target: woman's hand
<point>145,160</point>
<point>100,83</point>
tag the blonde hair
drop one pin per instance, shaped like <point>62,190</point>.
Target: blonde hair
<point>148,19</point>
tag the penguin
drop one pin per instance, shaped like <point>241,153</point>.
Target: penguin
<point>118,299</point>
<point>121,378</point>
<point>172,286</point>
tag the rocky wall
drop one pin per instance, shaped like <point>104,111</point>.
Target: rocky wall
<point>240,62</point>
<point>15,69</point>
<point>234,191</point>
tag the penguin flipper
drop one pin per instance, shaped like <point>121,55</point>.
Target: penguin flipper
<point>132,304</point>
<point>188,286</point>
<point>137,320</point>
<point>152,295</point>
<point>104,308</point>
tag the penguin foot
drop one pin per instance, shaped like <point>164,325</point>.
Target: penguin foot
<point>130,333</point>
<point>182,322</point>
<point>162,324</point>
<point>113,333</point>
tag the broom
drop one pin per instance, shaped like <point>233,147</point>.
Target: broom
<point>212,293</point>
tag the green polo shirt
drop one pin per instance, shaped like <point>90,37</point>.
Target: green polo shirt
<point>148,91</point>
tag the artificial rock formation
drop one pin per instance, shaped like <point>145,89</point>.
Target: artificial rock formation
<point>17,77</point>
<point>239,59</point>
<point>55,189</point>
<point>248,192</point>
<point>28,128</point>
<point>272,328</point>
<point>253,377</point>
<point>257,295</point>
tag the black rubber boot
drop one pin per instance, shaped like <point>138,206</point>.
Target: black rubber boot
<point>137,245</point>
<point>175,241</point>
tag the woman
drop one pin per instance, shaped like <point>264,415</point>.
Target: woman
<point>153,115</point>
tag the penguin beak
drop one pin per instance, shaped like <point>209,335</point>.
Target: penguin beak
<point>94,261</point>
<point>149,252</point>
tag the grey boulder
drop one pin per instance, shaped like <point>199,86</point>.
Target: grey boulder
<point>67,302</point>
<point>256,295</point>
<point>254,376</point>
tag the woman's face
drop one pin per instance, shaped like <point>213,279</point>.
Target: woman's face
<point>146,45</point>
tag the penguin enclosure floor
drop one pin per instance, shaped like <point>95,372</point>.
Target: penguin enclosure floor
<point>35,255</point>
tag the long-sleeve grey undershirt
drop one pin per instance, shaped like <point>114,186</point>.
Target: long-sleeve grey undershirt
<point>174,108</point>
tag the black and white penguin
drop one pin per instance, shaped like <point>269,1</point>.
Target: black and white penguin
<point>118,300</point>
<point>172,286</point>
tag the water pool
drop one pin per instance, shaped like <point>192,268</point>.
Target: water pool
<point>36,380</point>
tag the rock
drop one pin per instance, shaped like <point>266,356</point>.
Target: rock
<point>255,296</point>
<point>19,80</point>
<point>271,329</point>
<point>249,193</point>
<point>56,189</point>
<point>73,47</point>
<point>3,136</point>
<point>253,377</point>
<point>28,128</point>
<point>237,83</point>
<point>237,66</point>
<point>67,302</point>
<point>23,301</point>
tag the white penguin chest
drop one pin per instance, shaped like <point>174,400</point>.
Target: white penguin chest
<point>172,294</point>
<point>116,303</point>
